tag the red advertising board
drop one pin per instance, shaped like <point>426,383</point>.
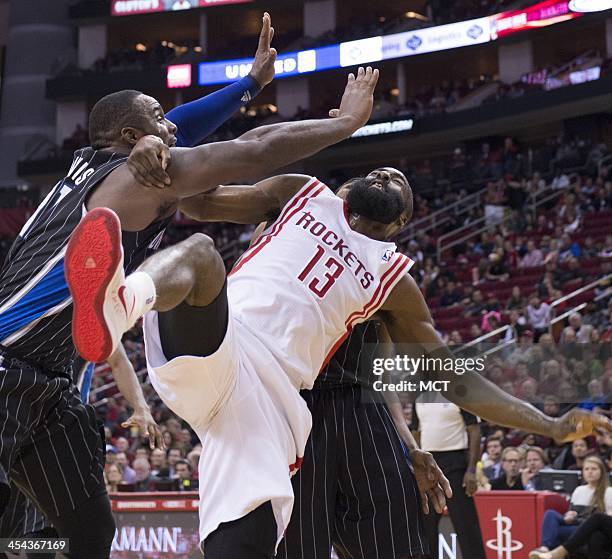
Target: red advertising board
<point>134,7</point>
<point>165,525</point>
<point>511,521</point>
<point>540,15</point>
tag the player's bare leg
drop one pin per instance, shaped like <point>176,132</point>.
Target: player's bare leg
<point>107,304</point>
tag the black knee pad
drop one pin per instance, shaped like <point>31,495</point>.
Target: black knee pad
<point>90,528</point>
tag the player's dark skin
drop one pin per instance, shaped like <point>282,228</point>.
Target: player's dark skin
<point>198,170</point>
<point>405,311</point>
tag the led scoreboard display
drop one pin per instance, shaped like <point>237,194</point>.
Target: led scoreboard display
<point>133,7</point>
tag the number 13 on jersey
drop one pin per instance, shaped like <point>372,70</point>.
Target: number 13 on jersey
<point>320,286</point>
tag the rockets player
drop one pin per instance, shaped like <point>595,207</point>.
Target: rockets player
<point>230,355</point>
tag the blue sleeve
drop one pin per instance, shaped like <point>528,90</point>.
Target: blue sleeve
<point>200,118</point>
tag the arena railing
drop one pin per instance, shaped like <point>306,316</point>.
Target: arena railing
<point>473,343</point>
<point>443,246</point>
<point>502,330</point>
<point>439,217</point>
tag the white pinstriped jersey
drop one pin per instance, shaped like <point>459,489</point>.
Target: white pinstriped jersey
<point>309,279</point>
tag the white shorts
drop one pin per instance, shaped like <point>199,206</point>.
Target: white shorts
<point>250,418</point>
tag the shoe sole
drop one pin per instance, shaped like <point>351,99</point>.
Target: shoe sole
<point>93,255</point>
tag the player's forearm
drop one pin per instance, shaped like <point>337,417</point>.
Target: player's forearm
<point>474,393</point>
<point>473,446</point>
<point>287,142</point>
<point>200,118</point>
<point>403,431</point>
<point>471,391</point>
<point>126,379</point>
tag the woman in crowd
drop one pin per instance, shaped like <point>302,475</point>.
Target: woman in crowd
<point>114,477</point>
<point>593,497</point>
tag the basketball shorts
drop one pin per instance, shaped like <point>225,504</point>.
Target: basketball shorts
<point>251,421</point>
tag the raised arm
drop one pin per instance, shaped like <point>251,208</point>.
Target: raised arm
<point>258,153</point>
<point>265,149</point>
<point>409,321</point>
<point>200,118</point>
<point>248,204</point>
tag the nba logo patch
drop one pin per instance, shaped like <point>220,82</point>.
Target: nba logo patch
<point>388,255</point>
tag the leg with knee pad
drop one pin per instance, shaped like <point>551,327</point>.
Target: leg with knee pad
<point>251,537</point>
<point>90,528</point>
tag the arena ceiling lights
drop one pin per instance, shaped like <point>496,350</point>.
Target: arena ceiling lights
<point>410,43</point>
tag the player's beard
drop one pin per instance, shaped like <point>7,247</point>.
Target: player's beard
<point>373,203</point>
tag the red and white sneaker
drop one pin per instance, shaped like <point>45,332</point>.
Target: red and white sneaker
<point>93,267</point>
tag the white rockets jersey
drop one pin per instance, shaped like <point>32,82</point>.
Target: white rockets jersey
<point>309,279</point>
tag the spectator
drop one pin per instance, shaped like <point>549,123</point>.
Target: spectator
<point>143,474</point>
<point>173,456</point>
<point>597,398</point>
<point>510,479</point>
<point>492,462</point>
<point>539,315</point>
<point>581,331</point>
<point>158,462</point>
<point>451,295</point>
<point>606,251</point>
<point>536,461</point>
<point>533,257</point>
<point>594,496</point>
<point>477,304</point>
<point>184,475</point>
<point>524,349</point>
<point>114,477</point>
<point>595,532</point>
<point>516,301</point>
<point>572,457</point>
<point>129,475</point>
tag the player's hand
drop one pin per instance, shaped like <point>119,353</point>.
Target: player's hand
<point>358,99</point>
<point>578,424</point>
<point>265,57</point>
<point>148,162</point>
<point>433,485</point>
<point>147,427</point>
<point>470,483</point>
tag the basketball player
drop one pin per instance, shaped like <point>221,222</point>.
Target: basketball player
<point>43,420</point>
<point>22,519</point>
<point>230,357</point>
<point>355,490</point>
<point>198,119</point>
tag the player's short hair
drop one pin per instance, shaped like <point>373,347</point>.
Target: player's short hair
<point>112,113</point>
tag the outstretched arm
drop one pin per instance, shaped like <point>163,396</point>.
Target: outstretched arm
<point>249,204</point>
<point>409,321</point>
<point>257,153</point>
<point>129,386</point>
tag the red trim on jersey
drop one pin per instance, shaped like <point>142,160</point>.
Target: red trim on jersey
<point>346,214</point>
<point>378,290</point>
<point>290,210</point>
<point>397,268</point>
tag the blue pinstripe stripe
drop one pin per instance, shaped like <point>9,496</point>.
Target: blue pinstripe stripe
<point>86,385</point>
<point>50,291</point>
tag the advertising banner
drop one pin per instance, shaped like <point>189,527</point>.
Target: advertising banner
<point>539,15</point>
<point>134,7</point>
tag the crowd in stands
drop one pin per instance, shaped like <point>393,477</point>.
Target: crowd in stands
<point>509,274</point>
<point>553,370</point>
